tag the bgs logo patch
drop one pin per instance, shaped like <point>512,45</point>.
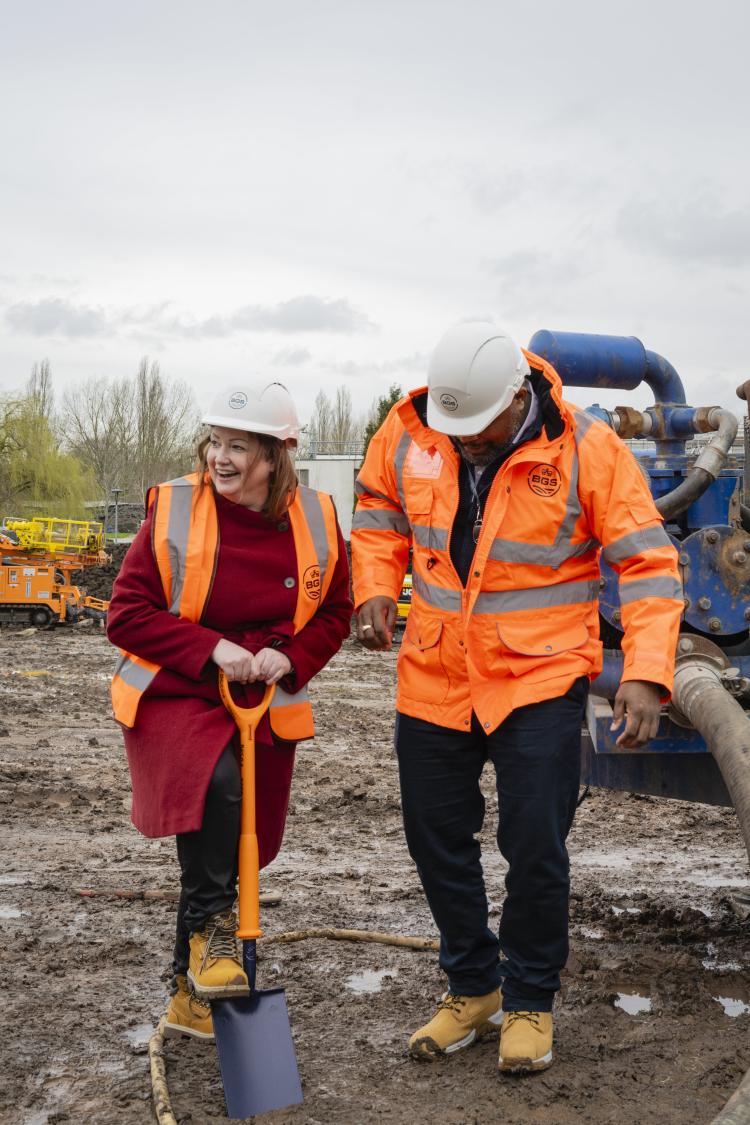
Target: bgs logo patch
<point>448,402</point>
<point>238,400</point>
<point>544,479</point>
<point>311,582</point>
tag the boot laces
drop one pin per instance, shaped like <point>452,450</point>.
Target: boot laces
<point>530,1017</point>
<point>220,940</point>
<point>452,1003</point>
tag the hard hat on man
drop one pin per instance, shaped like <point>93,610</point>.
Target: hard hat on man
<point>473,375</point>
<point>257,407</point>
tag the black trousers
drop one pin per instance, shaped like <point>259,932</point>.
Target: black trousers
<point>208,857</point>
<point>536,754</point>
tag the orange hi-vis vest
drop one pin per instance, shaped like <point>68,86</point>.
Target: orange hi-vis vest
<point>525,626</point>
<point>185,538</point>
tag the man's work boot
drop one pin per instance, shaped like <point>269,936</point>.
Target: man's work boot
<point>215,970</point>
<point>458,1022</point>
<point>187,1015</point>
<point>525,1042</point>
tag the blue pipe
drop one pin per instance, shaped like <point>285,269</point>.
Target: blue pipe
<point>608,680</point>
<point>615,362</point>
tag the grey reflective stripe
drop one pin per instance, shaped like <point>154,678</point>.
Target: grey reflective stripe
<point>434,538</point>
<point>178,530</point>
<point>635,542</point>
<point>134,675</point>
<point>361,489</point>
<point>539,597</point>
<point>558,552</point>
<point>509,550</point>
<point>311,506</point>
<point>376,519</point>
<point>649,588</point>
<point>284,699</point>
<point>398,463</point>
<point>436,595</point>
<point>584,422</point>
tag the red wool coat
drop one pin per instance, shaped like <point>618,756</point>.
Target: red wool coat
<point>182,726</point>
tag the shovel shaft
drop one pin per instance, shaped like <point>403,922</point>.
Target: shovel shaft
<point>247,719</point>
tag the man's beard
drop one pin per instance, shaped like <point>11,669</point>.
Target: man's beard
<point>485,456</point>
<point>490,452</point>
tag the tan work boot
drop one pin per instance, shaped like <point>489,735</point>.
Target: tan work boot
<point>525,1042</point>
<point>458,1022</point>
<point>187,1015</point>
<point>215,969</point>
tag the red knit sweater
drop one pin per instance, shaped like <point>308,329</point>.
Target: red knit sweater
<point>182,727</point>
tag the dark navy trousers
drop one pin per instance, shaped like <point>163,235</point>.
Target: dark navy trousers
<point>536,754</point>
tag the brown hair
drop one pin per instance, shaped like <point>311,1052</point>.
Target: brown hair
<point>282,483</point>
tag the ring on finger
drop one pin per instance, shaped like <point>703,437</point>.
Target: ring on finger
<point>363,627</point>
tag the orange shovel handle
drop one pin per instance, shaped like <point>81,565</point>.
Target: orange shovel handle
<point>247,719</point>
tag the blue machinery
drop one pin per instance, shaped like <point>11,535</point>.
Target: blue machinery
<point>700,498</point>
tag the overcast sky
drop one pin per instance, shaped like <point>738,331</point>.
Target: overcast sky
<point>314,190</point>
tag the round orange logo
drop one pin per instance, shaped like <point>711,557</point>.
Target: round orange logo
<point>544,479</point>
<point>311,582</point>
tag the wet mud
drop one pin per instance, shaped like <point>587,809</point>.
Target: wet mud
<point>651,1025</point>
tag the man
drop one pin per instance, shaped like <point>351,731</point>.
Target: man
<point>505,493</point>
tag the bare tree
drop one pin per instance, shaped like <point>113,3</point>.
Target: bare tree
<point>96,421</point>
<point>165,426</point>
<point>321,423</point>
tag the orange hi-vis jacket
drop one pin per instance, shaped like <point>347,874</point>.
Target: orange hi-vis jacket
<point>526,625</point>
<point>186,544</point>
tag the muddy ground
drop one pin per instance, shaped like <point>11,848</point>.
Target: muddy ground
<point>653,931</point>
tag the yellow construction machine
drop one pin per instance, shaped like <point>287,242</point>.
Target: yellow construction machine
<point>37,559</point>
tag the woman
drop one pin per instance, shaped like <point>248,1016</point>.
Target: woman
<point>240,568</point>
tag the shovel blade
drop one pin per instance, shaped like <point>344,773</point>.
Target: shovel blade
<point>256,1053</point>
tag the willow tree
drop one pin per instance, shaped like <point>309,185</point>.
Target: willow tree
<point>36,474</point>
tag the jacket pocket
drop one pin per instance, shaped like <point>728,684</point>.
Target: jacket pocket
<point>530,647</point>
<point>421,673</point>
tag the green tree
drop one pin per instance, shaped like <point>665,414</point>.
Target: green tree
<point>36,474</point>
<point>379,412</point>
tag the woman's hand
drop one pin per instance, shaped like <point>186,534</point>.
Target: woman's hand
<point>236,662</point>
<point>271,665</point>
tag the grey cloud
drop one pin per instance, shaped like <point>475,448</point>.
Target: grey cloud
<point>56,317</point>
<point>291,357</point>
<point>417,361</point>
<point>701,230</point>
<point>306,313</point>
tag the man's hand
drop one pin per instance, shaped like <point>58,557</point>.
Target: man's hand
<point>375,620</point>
<point>637,704</point>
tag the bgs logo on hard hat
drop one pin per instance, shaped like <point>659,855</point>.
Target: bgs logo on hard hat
<point>238,400</point>
<point>448,402</point>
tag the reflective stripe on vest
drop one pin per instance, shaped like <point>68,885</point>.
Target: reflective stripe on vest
<point>186,542</point>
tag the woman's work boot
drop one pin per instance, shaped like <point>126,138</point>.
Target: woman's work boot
<point>187,1015</point>
<point>215,970</point>
<point>525,1042</point>
<point>458,1022</point>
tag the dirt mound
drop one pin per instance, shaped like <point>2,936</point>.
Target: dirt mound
<point>98,580</point>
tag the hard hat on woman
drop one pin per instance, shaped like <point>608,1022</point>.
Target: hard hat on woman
<point>474,372</point>
<point>258,407</point>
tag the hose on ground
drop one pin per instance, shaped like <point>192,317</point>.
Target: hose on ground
<point>159,1087</point>
<point>702,698</point>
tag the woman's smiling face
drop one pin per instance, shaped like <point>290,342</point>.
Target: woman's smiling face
<point>238,467</point>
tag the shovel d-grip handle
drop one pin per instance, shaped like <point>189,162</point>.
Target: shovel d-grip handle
<point>247,719</point>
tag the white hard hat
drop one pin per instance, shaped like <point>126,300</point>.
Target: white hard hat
<point>475,370</point>
<point>259,408</point>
